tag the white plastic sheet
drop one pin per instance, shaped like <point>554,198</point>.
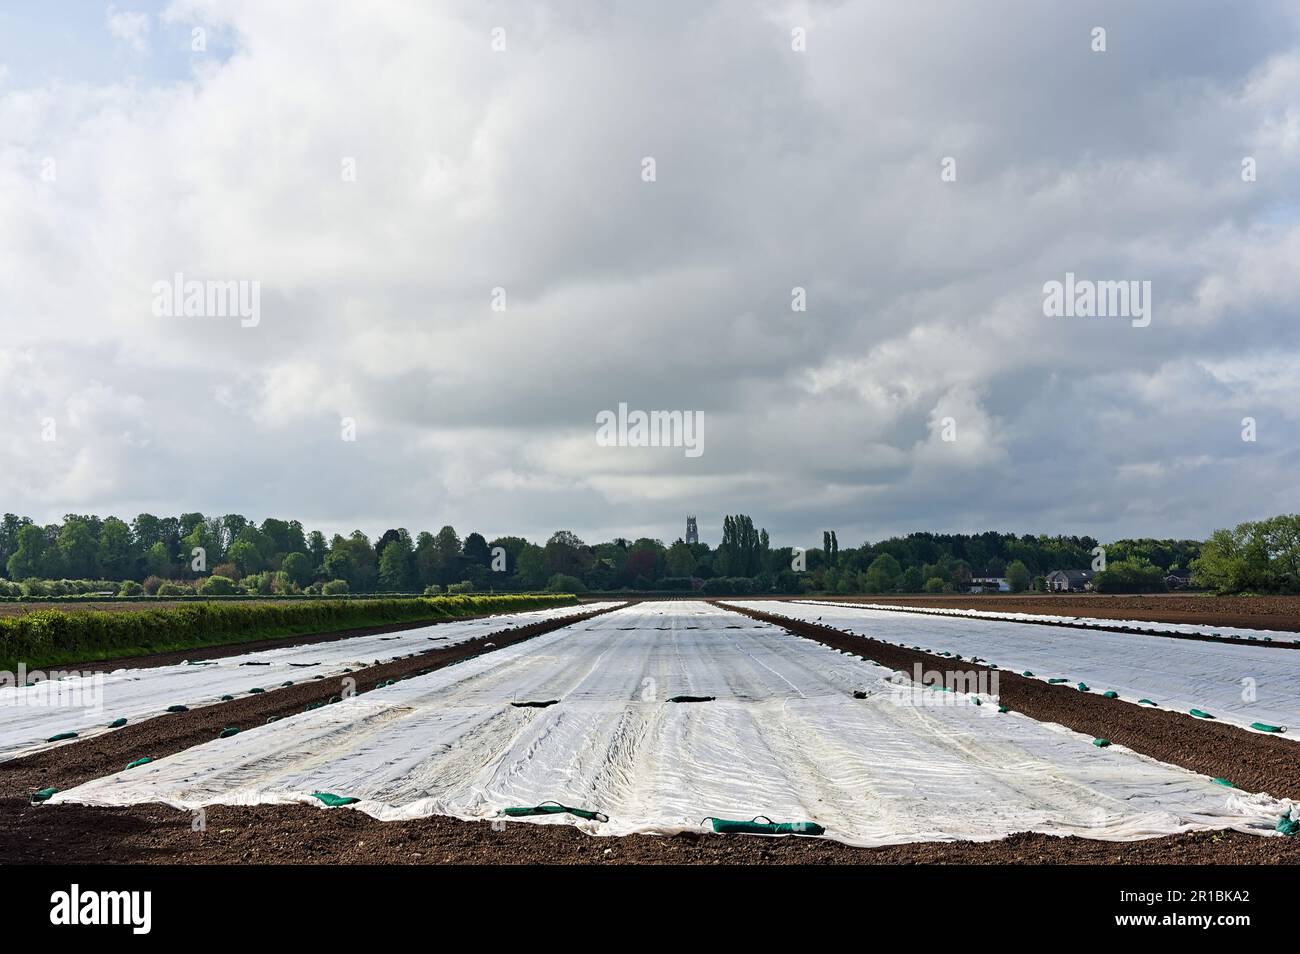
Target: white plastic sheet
<point>785,737</point>
<point>1235,683</point>
<point>1205,629</point>
<point>29,715</point>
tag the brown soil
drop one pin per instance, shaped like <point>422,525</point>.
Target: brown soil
<point>1251,761</point>
<point>77,762</point>
<point>303,834</point>
<point>1249,612</point>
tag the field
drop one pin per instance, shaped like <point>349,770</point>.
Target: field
<point>661,716</point>
<point>1261,612</point>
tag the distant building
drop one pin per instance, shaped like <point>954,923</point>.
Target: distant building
<point>1178,579</point>
<point>1069,581</point>
<point>692,531</point>
<point>999,584</point>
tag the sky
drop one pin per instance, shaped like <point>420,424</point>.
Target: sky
<point>461,260</point>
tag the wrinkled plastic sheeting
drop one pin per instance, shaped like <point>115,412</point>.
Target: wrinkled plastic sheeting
<point>1192,629</point>
<point>1240,684</point>
<point>785,738</point>
<point>86,704</point>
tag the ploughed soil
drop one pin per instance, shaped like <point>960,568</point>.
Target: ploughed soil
<point>1249,612</point>
<point>304,834</point>
<point>80,761</point>
<point>307,834</point>
<point>1252,761</point>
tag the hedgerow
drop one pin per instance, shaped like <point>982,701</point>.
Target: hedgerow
<point>47,637</point>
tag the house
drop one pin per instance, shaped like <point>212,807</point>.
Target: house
<point>1069,581</point>
<point>983,584</point>
<point>1178,579</point>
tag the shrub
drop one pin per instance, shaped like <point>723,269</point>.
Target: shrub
<point>151,584</point>
<point>130,588</point>
<point>934,585</point>
<point>175,589</point>
<point>464,586</point>
<point>561,583</point>
<point>433,589</point>
<point>335,588</point>
<point>217,585</point>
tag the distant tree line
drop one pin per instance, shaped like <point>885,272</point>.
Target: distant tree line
<point>156,556</point>
<point>1261,556</point>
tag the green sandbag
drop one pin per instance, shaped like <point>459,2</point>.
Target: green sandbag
<point>273,719</point>
<point>1083,687</point>
<point>1145,702</point>
<point>61,736</point>
<point>144,760</point>
<point>44,794</point>
<point>178,708</point>
<point>1110,694</point>
<point>227,698</point>
<point>1224,782</point>
<point>228,732</point>
<point>762,825</point>
<point>1003,709</point>
<point>1287,826</point>
<point>334,801</point>
<point>117,723</point>
<point>1265,727</point>
<point>1027,674</point>
<point>1056,682</point>
<point>1199,714</point>
<point>255,690</point>
<point>554,808</point>
<point>1101,743</point>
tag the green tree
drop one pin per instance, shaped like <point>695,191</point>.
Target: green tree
<point>79,547</point>
<point>680,560</point>
<point>298,568</point>
<point>246,556</point>
<point>117,556</point>
<point>1018,577</point>
<point>882,575</point>
<point>397,564</point>
<point>533,571</point>
<point>29,556</point>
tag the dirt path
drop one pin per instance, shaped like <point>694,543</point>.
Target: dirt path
<point>1251,761</point>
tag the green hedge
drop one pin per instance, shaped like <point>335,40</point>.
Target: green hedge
<point>50,637</point>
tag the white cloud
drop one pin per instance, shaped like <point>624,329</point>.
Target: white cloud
<point>521,169</point>
<point>131,27</point>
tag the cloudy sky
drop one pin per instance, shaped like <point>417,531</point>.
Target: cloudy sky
<point>128,156</point>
